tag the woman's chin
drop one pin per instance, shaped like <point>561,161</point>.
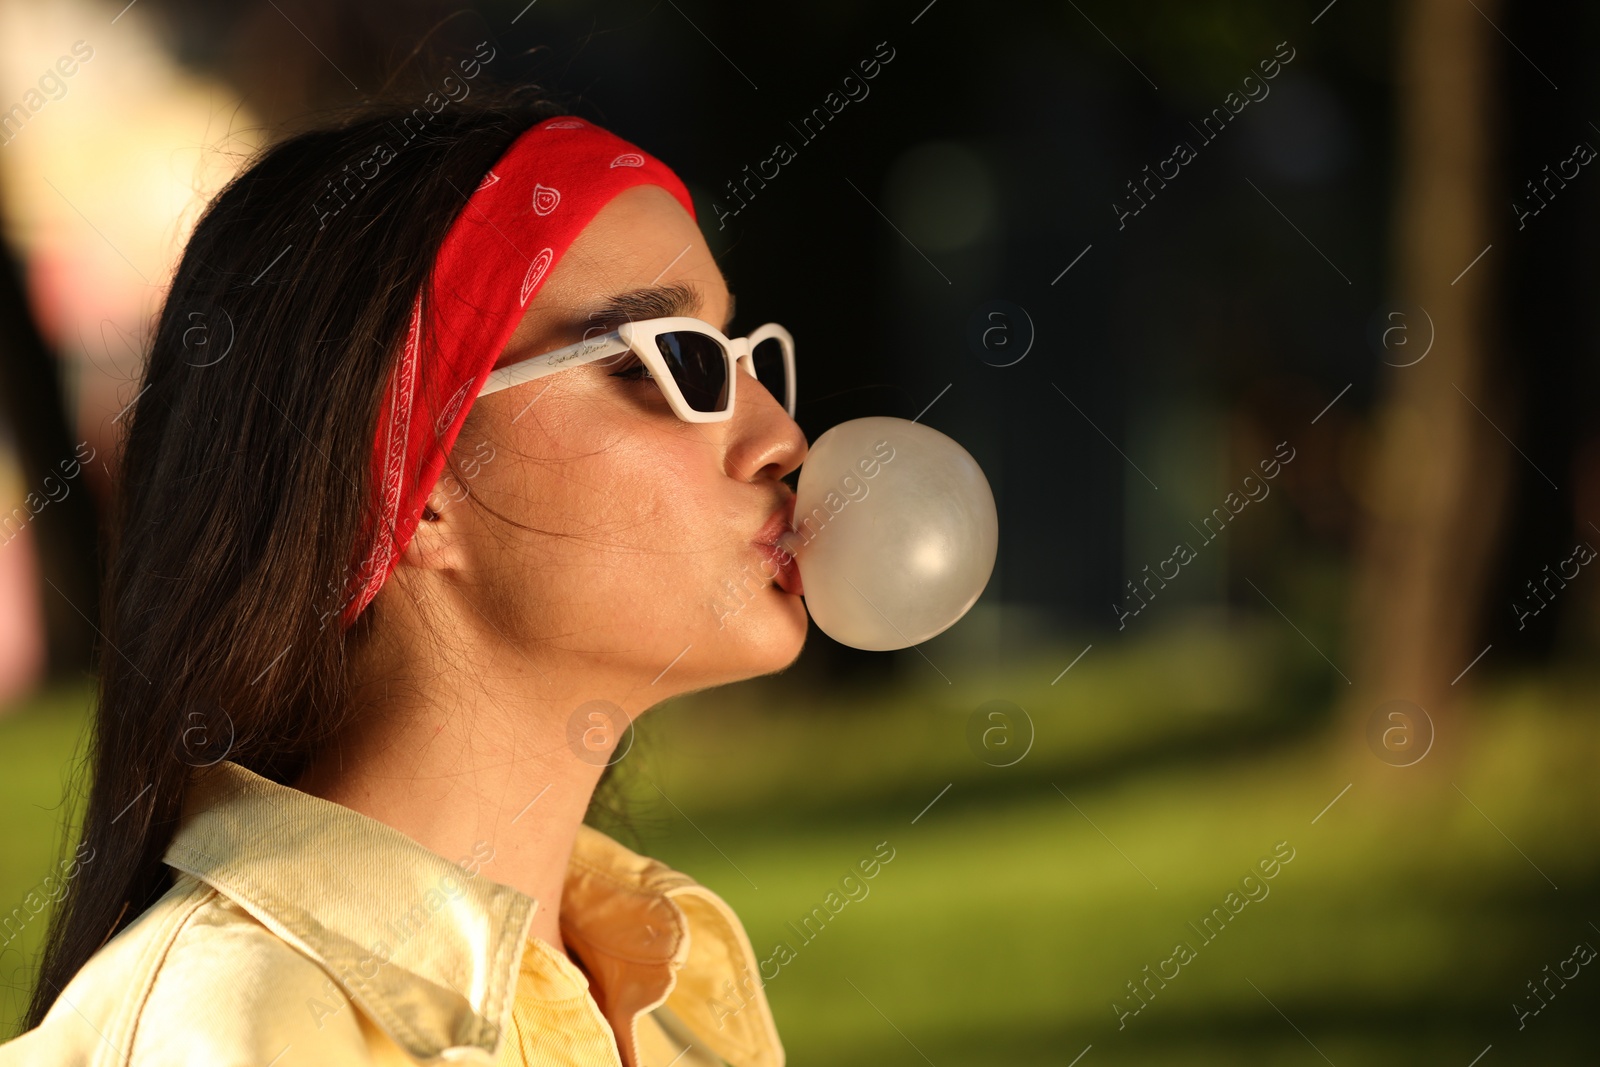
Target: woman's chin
<point>798,623</point>
<point>768,634</point>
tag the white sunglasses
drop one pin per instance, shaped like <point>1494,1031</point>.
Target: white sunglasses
<point>692,362</point>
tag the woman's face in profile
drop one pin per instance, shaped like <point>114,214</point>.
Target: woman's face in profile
<point>636,548</point>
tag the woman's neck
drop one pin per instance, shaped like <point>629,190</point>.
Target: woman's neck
<point>469,761</point>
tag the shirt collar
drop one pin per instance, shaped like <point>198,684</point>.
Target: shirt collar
<point>432,950</point>
<point>652,935</point>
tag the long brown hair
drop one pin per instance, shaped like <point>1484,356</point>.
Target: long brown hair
<point>243,484</point>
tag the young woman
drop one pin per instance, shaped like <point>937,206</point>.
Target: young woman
<point>385,591</point>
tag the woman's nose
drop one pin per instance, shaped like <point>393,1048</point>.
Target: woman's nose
<point>763,436</point>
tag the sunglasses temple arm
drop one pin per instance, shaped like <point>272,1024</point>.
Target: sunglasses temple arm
<point>551,362</point>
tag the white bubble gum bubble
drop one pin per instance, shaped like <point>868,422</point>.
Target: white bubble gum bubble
<point>895,532</point>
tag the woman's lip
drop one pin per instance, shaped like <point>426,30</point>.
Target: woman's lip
<point>777,525</point>
<point>788,576</point>
<point>768,540</point>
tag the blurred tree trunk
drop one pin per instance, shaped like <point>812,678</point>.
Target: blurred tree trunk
<point>1437,476</point>
<point>66,531</point>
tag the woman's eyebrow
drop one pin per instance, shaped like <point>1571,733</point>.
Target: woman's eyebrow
<point>650,302</point>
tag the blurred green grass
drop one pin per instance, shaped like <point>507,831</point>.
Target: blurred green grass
<point>1011,918</point>
<point>38,742</point>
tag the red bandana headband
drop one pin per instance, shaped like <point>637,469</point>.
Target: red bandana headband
<point>517,224</point>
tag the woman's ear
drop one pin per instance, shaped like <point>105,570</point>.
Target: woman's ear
<point>438,543</point>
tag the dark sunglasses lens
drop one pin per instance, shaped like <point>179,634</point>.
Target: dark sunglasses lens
<point>770,372</point>
<point>699,366</point>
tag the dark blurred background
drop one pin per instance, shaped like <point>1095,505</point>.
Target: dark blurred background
<point>1339,345</point>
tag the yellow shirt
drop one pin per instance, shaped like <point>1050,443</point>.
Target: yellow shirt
<point>299,931</point>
